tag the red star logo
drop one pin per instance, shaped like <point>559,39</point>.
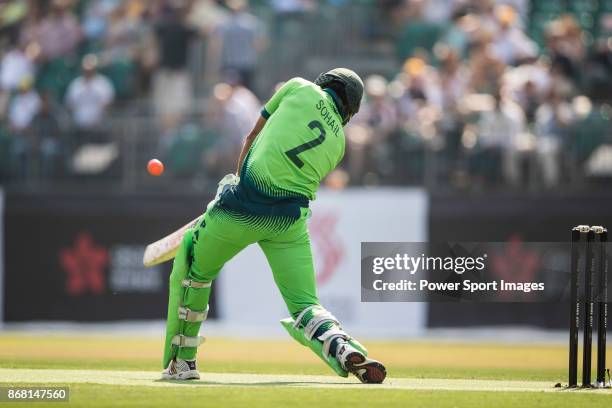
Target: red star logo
<point>328,245</point>
<point>515,264</point>
<point>84,265</point>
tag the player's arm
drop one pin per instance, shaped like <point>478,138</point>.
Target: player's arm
<point>249,141</point>
<point>266,112</point>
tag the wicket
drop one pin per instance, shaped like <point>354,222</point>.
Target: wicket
<point>588,253</point>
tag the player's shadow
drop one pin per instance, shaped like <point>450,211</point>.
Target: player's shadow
<point>256,384</point>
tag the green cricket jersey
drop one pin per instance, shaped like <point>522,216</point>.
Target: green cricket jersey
<point>300,144</point>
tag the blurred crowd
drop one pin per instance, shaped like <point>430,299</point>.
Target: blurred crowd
<point>71,70</point>
<point>478,103</point>
<point>477,94</point>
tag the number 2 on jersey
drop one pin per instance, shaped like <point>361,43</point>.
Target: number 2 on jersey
<point>293,153</point>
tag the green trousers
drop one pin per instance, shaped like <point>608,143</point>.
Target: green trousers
<point>285,243</point>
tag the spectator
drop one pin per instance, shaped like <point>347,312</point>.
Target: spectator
<point>417,85</point>
<point>52,39</point>
<point>89,97</point>
<point>553,120</point>
<point>529,101</point>
<point>367,136</point>
<point>206,15</point>
<point>510,44</point>
<point>59,33</point>
<point>452,78</point>
<point>234,109</point>
<point>123,37</point>
<point>571,44</point>
<point>245,105</point>
<point>45,140</point>
<point>124,46</point>
<point>24,106</point>
<point>458,33</point>
<point>172,87</point>
<point>565,47</point>
<point>237,41</point>
<point>488,16</point>
<point>485,69</point>
<point>95,19</point>
<point>529,83</point>
<point>29,31</point>
<point>498,131</point>
<point>16,66</point>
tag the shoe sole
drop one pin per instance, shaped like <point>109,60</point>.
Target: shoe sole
<point>185,375</point>
<point>368,371</point>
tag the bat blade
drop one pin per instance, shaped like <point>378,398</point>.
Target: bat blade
<point>167,247</point>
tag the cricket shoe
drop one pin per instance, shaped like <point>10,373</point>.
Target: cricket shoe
<point>352,360</point>
<point>181,370</point>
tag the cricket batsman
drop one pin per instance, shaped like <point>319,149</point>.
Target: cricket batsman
<point>296,142</point>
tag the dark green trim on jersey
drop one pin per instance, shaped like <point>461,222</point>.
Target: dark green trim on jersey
<point>245,198</point>
<point>253,201</point>
<point>256,222</point>
<point>265,113</point>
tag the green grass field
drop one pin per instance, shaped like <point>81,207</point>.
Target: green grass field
<point>105,370</point>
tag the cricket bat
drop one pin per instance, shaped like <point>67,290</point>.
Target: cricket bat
<point>167,247</point>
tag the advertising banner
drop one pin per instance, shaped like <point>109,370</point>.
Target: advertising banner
<point>340,222</point>
<point>80,255</point>
<point>516,223</point>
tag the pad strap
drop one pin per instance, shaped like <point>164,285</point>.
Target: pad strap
<point>188,283</point>
<point>186,341</point>
<point>189,315</point>
<point>298,319</point>
<point>329,336</point>
<point>317,320</point>
<point>319,316</point>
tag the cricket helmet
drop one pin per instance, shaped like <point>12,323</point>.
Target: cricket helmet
<point>350,87</point>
